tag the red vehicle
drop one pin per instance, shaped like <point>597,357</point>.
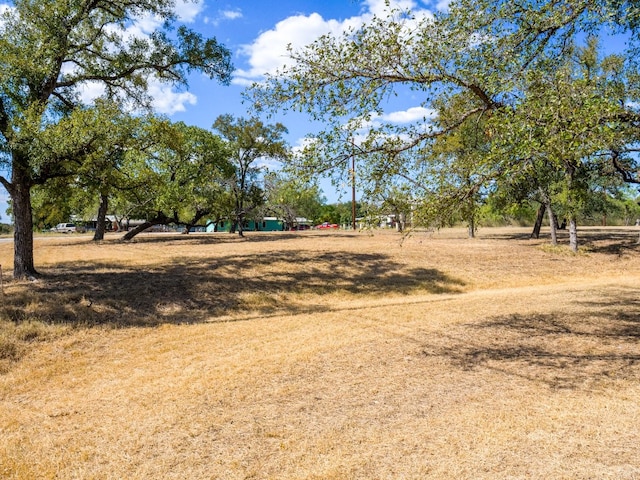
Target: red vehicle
<point>326,225</point>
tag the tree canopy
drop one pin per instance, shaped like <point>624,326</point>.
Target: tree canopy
<point>182,174</point>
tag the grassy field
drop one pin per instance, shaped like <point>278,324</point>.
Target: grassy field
<point>323,355</point>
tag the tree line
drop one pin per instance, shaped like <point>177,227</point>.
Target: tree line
<point>162,173</point>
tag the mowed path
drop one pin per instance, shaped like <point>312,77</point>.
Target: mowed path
<point>520,376</point>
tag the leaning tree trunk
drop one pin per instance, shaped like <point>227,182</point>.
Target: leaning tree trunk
<point>23,266</point>
<point>139,229</point>
<point>400,222</point>
<point>101,224</point>
<point>538,225</point>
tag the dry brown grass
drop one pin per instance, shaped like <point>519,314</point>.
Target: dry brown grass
<point>324,356</point>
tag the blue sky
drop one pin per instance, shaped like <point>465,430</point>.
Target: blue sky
<point>257,33</point>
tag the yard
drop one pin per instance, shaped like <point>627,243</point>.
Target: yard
<point>323,355</point>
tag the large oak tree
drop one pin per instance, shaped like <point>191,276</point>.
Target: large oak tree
<point>50,50</point>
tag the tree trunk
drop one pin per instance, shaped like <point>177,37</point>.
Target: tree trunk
<point>101,224</point>
<point>553,225</point>
<point>240,211</point>
<point>139,229</point>
<point>573,229</point>
<point>573,234</point>
<point>471,212</point>
<point>240,225</point>
<point>538,225</point>
<point>23,266</point>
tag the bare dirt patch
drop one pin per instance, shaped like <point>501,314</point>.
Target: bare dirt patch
<point>328,355</point>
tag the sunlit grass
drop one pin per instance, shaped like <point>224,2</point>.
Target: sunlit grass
<point>323,356</point>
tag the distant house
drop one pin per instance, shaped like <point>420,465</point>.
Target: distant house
<point>271,224</point>
<point>302,224</point>
<point>266,224</point>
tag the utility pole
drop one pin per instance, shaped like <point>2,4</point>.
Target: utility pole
<point>353,189</point>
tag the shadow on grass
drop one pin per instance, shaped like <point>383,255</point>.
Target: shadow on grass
<point>226,237</point>
<point>576,350</point>
<point>168,238</point>
<point>231,287</point>
<point>611,241</point>
<point>606,240</point>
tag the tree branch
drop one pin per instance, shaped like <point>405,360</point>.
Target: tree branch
<point>7,185</point>
<point>627,176</point>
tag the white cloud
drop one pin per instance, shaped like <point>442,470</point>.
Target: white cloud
<point>89,91</point>
<point>633,105</point>
<point>4,9</point>
<point>167,101</point>
<point>231,14</point>
<point>188,10</point>
<point>410,115</point>
<point>399,117</point>
<point>268,52</point>
<point>224,15</point>
<point>143,26</point>
<point>269,164</point>
<point>164,99</point>
<point>302,143</point>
